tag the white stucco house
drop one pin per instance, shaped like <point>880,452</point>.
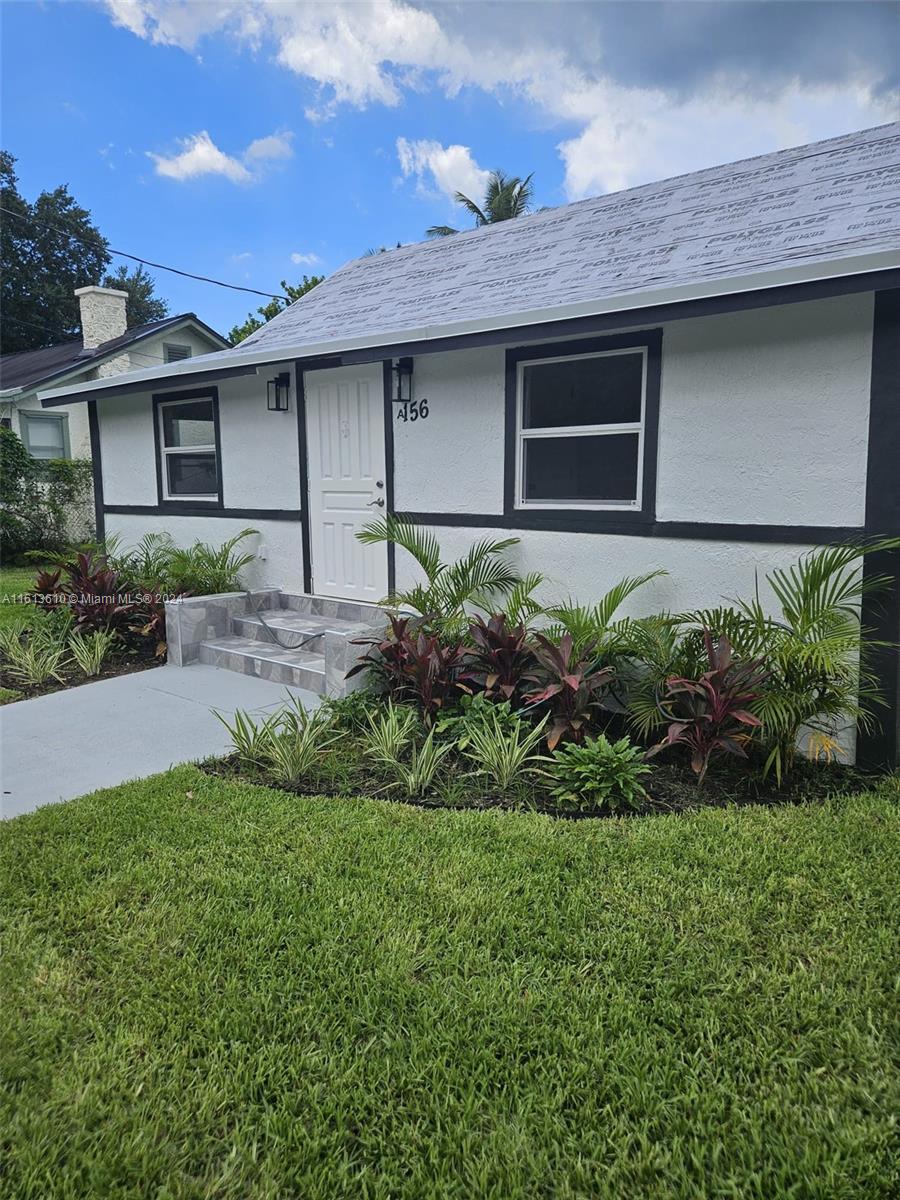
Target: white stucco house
<point>106,348</point>
<point>701,374</point>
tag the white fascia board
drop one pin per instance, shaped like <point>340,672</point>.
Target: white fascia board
<point>645,298</point>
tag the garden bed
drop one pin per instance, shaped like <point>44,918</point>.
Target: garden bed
<point>347,767</point>
<point>124,661</point>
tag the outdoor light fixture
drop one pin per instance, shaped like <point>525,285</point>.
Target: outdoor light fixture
<point>278,391</point>
<point>403,370</point>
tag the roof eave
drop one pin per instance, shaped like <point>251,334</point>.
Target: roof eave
<point>242,364</point>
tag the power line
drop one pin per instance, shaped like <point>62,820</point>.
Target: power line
<point>234,287</point>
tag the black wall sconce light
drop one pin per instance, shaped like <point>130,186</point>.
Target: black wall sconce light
<point>403,369</point>
<point>278,391</point>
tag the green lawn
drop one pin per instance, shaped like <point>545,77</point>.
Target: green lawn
<point>14,581</point>
<point>216,991</point>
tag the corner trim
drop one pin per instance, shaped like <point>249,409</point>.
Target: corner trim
<point>387,373</point>
<point>303,468</point>
<point>880,747</point>
<point>96,470</point>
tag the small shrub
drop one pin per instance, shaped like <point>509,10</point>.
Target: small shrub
<point>498,657</point>
<point>204,569</point>
<point>597,774</point>
<point>414,666</point>
<point>33,657</point>
<point>504,753</point>
<point>416,777</point>
<point>249,738</point>
<point>568,686</point>
<point>350,713</point>
<point>90,650</point>
<point>389,732</point>
<point>710,715</point>
<point>96,594</point>
<point>471,711</point>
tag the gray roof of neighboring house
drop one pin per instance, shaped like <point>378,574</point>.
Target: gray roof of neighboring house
<point>30,368</point>
<point>817,202</point>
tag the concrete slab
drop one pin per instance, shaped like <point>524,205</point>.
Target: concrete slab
<point>63,745</point>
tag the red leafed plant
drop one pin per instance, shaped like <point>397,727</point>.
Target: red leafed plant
<point>498,657</point>
<point>710,715</point>
<point>415,665</point>
<point>569,687</point>
<point>95,594</point>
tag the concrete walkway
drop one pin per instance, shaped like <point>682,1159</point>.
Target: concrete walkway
<point>101,734</point>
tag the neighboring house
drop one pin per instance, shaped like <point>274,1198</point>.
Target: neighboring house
<point>107,347</point>
<point>701,374</point>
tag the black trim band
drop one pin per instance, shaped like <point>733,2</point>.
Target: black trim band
<point>881,611</point>
<point>304,476</point>
<point>568,522</point>
<point>96,470</point>
<point>174,509</point>
<point>387,379</point>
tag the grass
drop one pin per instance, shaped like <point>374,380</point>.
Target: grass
<point>14,581</point>
<point>214,990</point>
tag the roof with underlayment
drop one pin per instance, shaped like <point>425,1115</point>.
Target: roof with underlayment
<point>837,198</point>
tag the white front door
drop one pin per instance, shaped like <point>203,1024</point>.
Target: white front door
<point>345,440</point>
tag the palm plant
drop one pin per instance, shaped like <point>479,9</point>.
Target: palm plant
<point>505,197</point>
<point>205,569</point>
<point>593,626</point>
<point>475,580</point>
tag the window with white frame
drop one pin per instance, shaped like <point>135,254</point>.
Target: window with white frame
<point>189,466</point>
<point>580,430</point>
<point>45,435</point>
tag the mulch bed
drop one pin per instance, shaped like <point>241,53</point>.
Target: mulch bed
<point>122,662</point>
<point>672,788</point>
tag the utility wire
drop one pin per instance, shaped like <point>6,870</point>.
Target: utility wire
<point>100,243</point>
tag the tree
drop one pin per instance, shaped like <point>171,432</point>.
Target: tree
<point>505,196</point>
<point>142,306</point>
<point>273,308</point>
<point>47,250</point>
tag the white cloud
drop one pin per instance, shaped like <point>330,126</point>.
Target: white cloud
<point>276,145</point>
<point>305,260</point>
<point>242,257</point>
<point>451,169</point>
<point>201,156</point>
<point>378,51</point>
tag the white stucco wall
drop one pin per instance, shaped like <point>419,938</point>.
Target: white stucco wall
<point>278,544</point>
<point>764,415</point>
<point>260,455</point>
<point>453,461</point>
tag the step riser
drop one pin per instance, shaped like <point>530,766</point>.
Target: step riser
<point>265,668</point>
<point>254,630</point>
<point>343,610</point>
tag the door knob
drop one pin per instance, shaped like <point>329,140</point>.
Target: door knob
<point>378,503</point>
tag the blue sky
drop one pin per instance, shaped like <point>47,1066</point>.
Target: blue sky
<point>254,141</point>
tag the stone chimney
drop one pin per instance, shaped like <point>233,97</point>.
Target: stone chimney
<point>102,314</point>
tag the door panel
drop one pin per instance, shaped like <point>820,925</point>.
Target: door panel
<point>345,439</point>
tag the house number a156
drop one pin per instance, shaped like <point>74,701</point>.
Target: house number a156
<point>413,410</point>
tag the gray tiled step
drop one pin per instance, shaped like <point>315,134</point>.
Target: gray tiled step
<point>299,668</point>
<point>324,606</point>
<point>292,628</point>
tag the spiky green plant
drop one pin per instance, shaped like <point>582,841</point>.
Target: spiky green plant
<point>90,650</point>
<point>449,590</point>
<point>594,625</point>
<point>390,730</point>
<point>204,569</point>
<point>249,738</point>
<point>503,752</point>
<point>34,656</point>
<point>416,777</point>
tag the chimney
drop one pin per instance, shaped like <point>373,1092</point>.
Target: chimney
<point>102,314</point>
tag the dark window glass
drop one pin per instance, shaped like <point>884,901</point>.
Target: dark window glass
<point>192,474</point>
<point>582,469</point>
<point>189,424</point>
<point>583,391</point>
